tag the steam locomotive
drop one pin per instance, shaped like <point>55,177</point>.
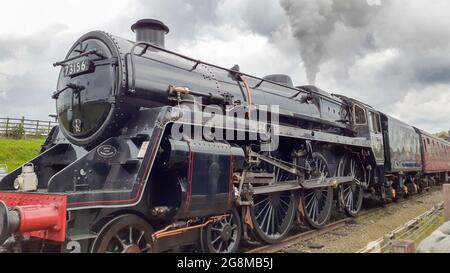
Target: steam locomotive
<point>136,165</point>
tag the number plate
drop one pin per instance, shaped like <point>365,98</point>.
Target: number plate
<point>80,67</point>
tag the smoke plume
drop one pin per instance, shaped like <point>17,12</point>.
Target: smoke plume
<point>313,22</point>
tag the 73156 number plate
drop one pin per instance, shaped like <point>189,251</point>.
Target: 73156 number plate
<point>77,68</point>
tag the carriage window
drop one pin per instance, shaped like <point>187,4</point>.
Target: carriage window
<point>360,115</point>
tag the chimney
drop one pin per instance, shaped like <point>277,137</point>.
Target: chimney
<point>151,31</point>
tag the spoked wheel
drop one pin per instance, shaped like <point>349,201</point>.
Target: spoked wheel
<point>273,213</point>
<point>125,234</point>
<point>222,236</point>
<point>352,194</point>
<point>317,203</point>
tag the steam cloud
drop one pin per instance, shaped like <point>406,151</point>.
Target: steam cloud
<point>313,23</point>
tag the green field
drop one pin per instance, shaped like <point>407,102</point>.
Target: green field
<point>16,152</point>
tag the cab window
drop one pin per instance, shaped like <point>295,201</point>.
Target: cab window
<point>375,122</point>
<point>360,115</point>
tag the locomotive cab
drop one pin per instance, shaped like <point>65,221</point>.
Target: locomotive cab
<point>367,124</point>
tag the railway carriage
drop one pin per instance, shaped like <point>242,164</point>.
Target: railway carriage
<point>435,157</point>
<point>136,165</point>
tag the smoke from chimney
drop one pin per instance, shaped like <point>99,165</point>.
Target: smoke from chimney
<point>313,22</point>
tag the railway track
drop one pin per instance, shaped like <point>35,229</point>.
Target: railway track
<point>305,236</point>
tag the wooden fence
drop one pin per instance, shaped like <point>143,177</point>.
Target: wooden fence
<point>21,127</point>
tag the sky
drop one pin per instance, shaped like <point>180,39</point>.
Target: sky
<point>392,54</point>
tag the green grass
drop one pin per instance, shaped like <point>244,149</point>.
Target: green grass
<point>14,153</point>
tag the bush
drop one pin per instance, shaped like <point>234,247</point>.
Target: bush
<point>17,132</point>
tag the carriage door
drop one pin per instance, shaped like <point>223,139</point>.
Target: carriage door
<point>376,136</point>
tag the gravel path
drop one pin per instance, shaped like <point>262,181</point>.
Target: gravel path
<point>352,238</point>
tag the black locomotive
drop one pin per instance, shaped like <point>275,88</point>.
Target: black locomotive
<point>126,171</point>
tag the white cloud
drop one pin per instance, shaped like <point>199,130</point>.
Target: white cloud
<point>254,53</point>
<point>23,17</point>
<point>364,71</point>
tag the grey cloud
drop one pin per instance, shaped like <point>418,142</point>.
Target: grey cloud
<point>183,17</point>
<point>33,44</point>
<point>435,75</point>
<point>29,96</point>
<point>189,19</point>
<point>262,16</point>
<point>417,69</point>
<point>31,78</point>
